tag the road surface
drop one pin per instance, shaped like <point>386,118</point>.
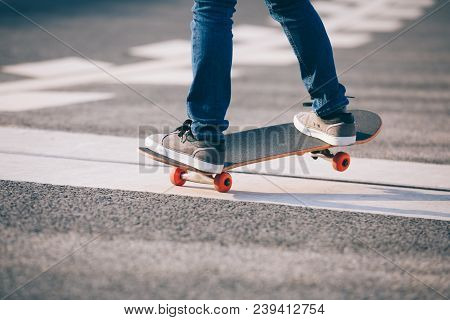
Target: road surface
<point>82,216</point>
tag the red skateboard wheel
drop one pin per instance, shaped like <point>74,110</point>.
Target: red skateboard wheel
<point>223,182</point>
<point>341,161</point>
<point>175,176</point>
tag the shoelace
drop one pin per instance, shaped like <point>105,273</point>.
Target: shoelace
<point>184,129</point>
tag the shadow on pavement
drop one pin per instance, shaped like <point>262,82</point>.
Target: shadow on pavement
<point>353,201</point>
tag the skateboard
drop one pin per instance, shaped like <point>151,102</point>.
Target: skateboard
<point>268,143</point>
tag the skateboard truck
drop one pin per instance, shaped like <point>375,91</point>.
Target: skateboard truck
<point>222,181</point>
<point>340,160</point>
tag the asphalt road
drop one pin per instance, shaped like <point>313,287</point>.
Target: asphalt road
<point>168,247</point>
<point>144,245</point>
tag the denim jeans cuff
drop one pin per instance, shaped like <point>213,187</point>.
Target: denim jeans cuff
<point>210,132</point>
<point>330,107</point>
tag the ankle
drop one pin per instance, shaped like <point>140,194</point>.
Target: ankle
<point>335,114</point>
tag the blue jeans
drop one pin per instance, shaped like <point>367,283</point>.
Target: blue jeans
<point>212,50</point>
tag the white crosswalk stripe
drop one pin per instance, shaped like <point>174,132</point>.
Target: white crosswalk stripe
<point>350,23</point>
<point>99,161</point>
<point>30,100</point>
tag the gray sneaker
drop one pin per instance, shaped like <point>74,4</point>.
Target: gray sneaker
<point>337,130</point>
<point>180,145</point>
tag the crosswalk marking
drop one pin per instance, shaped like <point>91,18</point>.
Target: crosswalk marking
<point>350,23</point>
<point>370,16</point>
<point>30,100</point>
<point>359,19</point>
<point>55,67</point>
<point>99,161</point>
<point>317,194</point>
<point>103,148</point>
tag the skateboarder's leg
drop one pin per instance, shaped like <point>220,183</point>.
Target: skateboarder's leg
<point>199,142</point>
<point>210,92</point>
<point>308,37</point>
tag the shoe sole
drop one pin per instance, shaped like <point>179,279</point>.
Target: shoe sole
<point>332,140</point>
<point>183,158</point>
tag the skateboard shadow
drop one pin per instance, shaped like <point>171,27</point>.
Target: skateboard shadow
<point>385,200</point>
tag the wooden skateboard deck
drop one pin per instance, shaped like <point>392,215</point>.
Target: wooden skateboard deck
<point>277,141</point>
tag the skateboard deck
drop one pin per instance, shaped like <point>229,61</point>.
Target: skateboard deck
<point>277,141</point>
